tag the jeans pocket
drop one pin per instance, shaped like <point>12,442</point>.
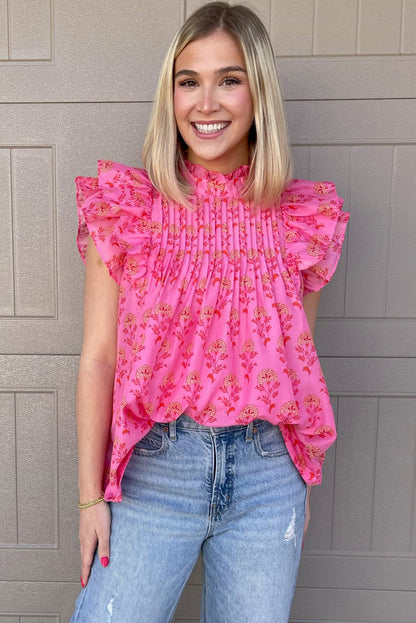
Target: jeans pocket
<point>155,442</point>
<point>268,440</point>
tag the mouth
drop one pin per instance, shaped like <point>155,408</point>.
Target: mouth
<point>210,128</point>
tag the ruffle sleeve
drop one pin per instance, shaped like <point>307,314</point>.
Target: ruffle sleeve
<point>314,230</point>
<point>115,210</point>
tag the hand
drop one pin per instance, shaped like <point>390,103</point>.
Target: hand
<point>94,527</point>
<point>307,511</point>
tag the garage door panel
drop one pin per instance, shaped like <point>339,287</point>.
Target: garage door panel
<point>352,606</point>
<point>101,51</point>
<point>38,531</point>
<point>352,122</point>
<point>395,486</point>
<point>6,236</point>
<point>46,602</point>
<point>354,474</point>
<point>401,281</point>
<point>331,27</point>
<point>30,29</point>
<point>357,571</point>
<point>371,168</point>
<point>79,78</point>
<point>363,337</point>
<point>38,164</point>
<point>348,78</point>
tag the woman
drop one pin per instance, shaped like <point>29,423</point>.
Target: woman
<point>202,285</point>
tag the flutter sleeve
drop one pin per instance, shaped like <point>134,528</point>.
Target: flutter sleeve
<point>115,210</point>
<point>314,230</point>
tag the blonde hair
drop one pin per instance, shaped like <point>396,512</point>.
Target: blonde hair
<point>271,163</point>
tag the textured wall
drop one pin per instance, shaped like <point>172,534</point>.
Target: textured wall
<point>77,80</point>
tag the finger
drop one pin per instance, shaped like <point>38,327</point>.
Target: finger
<point>87,555</point>
<point>104,549</point>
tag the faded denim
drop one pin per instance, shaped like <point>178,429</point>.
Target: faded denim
<point>231,493</point>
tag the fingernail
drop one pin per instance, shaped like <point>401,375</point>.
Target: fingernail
<point>104,561</point>
<point>82,582</point>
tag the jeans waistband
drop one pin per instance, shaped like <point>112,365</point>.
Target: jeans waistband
<point>186,422</point>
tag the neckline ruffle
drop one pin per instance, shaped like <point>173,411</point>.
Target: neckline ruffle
<point>198,171</point>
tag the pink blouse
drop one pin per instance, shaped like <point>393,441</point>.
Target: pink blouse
<point>210,316</point>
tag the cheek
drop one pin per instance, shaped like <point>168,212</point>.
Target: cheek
<point>182,104</point>
<point>178,107</point>
<point>244,107</point>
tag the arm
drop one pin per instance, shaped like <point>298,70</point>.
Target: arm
<point>94,402</point>
<point>310,305</point>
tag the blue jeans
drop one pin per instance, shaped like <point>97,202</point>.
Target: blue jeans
<point>231,493</point>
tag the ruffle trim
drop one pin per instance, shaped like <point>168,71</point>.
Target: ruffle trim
<point>115,210</point>
<point>199,172</point>
<point>314,230</point>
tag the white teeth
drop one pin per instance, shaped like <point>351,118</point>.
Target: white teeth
<point>210,128</point>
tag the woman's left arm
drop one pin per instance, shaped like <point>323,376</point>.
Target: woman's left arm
<point>310,305</point>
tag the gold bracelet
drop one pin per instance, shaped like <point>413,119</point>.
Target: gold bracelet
<point>92,503</point>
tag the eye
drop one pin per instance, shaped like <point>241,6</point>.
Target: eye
<point>187,83</point>
<point>230,81</point>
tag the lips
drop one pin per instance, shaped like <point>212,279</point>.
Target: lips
<point>210,128</point>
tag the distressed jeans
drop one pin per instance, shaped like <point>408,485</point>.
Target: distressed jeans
<point>231,493</point>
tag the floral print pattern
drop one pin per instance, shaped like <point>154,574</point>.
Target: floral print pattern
<point>210,316</point>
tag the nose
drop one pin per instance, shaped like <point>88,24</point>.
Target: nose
<point>208,101</point>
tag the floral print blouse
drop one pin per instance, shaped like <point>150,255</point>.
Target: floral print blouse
<point>210,321</point>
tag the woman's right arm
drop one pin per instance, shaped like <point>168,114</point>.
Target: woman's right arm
<point>94,404</point>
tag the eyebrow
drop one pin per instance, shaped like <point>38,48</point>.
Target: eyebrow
<point>219,72</point>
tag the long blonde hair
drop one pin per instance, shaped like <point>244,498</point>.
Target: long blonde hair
<point>271,163</point>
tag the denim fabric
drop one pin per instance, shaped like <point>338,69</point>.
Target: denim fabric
<point>232,493</point>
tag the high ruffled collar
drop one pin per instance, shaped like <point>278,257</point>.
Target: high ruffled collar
<point>197,171</point>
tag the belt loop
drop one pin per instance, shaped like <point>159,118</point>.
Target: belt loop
<point>249,432</point>
<point>172,431</point>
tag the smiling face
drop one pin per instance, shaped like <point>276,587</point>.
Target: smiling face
<point>212,102</point>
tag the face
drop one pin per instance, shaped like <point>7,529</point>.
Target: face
<point>213,103</point>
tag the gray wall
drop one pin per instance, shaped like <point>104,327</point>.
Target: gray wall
<point>77,79</point>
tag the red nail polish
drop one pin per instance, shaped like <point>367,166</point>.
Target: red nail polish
<point>82,582</point>
<point>104,561</point>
